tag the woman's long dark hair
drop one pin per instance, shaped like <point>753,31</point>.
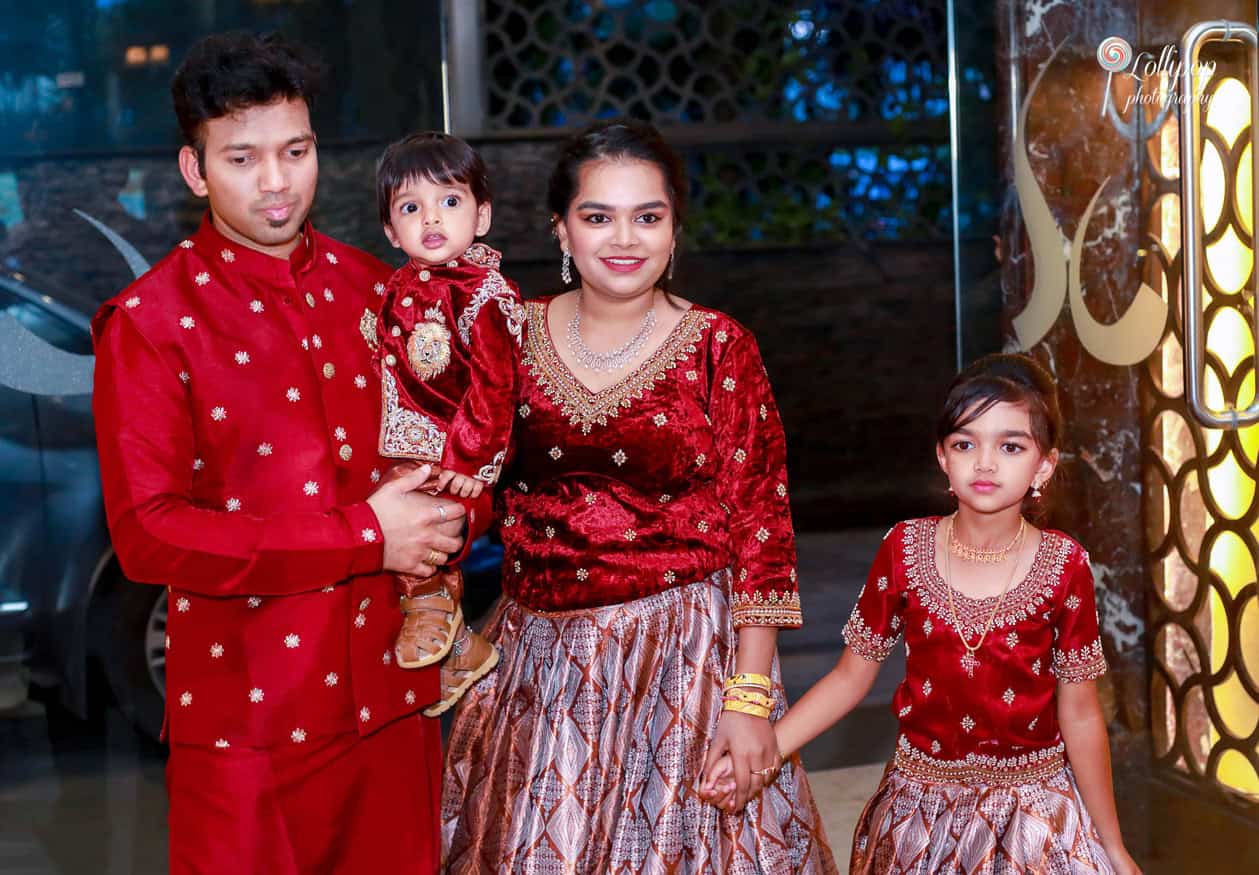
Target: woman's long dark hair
<point>617,140</point>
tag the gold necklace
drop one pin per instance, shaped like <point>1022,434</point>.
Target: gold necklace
<point>988,557</point>
<point>969,660</point>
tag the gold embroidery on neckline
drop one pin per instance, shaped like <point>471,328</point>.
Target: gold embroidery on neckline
<point>1028,597</point>
<point>585,408</point>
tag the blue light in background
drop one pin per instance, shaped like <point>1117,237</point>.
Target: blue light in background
<point>10,204</point>
<point>661,10</point>
<point>802,28</point>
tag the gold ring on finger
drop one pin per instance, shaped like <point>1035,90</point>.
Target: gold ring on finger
<point>434,558</point>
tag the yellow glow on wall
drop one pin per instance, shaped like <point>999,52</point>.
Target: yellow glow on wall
<point>1229,261</point>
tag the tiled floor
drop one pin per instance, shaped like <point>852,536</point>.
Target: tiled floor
<point>840,795</point>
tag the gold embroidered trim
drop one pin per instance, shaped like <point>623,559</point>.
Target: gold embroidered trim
<point>483,256</point>
<point>585,408</point>
<point>1029,596</point>
<point>766,609</point>
<point>1027,768</point>
<point>1077,666</point>
<point>492,288</point>
<point>864,641</point>
<point>406,434</point>
<point>489,473</point>
<point>367,328</point>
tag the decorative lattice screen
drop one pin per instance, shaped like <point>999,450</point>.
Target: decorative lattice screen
<point>822,119</point>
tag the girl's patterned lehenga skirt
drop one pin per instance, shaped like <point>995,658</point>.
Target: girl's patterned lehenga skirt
<point>582,752</point>
<point>916,825</point>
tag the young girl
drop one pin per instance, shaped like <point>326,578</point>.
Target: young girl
<point>1002,762</point>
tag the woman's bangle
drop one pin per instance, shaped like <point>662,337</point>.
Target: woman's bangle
<point>748,679</point>
<point>745,708</point>
<point>752,698</point>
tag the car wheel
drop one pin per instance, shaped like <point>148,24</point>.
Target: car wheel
<point>130,620</point>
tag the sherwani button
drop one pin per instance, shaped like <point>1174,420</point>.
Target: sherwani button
<point>310,299</point>
<point>329,370</point>
<point>345,452</point>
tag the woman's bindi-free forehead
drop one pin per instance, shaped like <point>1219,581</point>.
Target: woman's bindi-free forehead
<point>620,186</point>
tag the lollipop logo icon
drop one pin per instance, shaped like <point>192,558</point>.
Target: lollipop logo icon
<point>1113,54</point>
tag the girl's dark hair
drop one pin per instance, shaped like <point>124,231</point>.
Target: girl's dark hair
<point>228,72</point>
<point>617,140</point>
<point>432,155</point>
<point>1015,379</point>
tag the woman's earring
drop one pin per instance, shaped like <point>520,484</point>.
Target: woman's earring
<point>951,492</point>
<point>669,273</point>
<point>1036,489</point>
<point>566,272</point>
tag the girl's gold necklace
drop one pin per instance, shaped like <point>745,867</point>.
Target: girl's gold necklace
<point>969,660</point>
<point>988,557</point>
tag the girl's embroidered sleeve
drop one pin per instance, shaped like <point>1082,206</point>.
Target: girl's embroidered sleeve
<point>876,625</point>
<point>752,484</point>
<point>1077,651</point>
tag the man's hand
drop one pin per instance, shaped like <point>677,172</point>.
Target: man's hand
<point>421,531</point>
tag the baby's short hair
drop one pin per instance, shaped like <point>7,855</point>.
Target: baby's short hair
<point>430,155</point>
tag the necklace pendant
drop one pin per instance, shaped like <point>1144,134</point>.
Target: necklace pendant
<point>969,664</point>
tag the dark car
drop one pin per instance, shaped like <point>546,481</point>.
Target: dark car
<point>69,619</point>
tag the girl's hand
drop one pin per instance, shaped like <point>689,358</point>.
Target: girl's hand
<point>751,745</point>
<point>1121,861</point>
<point>718,782</point>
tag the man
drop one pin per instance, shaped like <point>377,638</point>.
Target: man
<point>237,414</point>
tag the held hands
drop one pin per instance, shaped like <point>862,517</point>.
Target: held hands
<point>742,761</point>
<point>421,531</point>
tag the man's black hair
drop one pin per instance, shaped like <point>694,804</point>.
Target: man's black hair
<point>229,72</point>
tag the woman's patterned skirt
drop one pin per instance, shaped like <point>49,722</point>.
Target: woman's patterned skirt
<point>582,752</point>
<point>915,825</point>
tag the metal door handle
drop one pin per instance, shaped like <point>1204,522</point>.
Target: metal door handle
<point>1191,215</point>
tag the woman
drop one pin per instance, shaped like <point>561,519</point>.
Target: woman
<point>645,520</point>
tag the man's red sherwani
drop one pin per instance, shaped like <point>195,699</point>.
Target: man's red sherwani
<point>237,413</point>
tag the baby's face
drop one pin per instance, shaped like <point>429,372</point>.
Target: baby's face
<point>435,222</point>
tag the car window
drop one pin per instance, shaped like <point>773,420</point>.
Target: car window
<point>46,325</point>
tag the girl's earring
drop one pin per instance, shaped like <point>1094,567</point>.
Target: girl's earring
<point>1036,489</point>
<point>669,273</point>
<point>566,268</point>
<point>951,492</point>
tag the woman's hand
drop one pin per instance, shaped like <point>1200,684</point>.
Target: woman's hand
<point>752,747</point>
